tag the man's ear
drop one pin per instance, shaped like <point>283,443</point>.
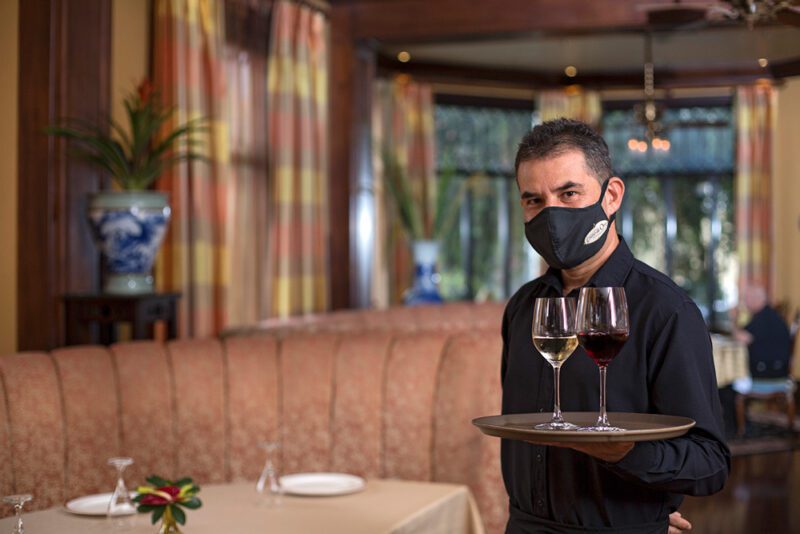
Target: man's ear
<point>615,191</point>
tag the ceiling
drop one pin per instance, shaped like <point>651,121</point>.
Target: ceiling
<point>710,48</point>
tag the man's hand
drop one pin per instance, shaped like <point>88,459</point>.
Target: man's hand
<point>678,524</point>
<point>611,452</point>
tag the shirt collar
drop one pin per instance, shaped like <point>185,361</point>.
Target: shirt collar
<point>612,273</point>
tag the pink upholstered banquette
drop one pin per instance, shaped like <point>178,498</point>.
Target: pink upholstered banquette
<point>385,394</point>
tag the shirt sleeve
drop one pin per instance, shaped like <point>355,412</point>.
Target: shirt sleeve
<point>683,383</point>
<point>504,334</point>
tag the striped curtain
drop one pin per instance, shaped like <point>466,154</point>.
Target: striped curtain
<point>572,103</point>
<point>754,123</point>
<point>403,124</point>
<point>187,69</point>
<point>297,120</point>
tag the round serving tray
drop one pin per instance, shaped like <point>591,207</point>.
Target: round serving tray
<point>637,427</point>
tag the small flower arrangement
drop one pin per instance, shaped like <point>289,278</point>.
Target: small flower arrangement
<point>166,499</point>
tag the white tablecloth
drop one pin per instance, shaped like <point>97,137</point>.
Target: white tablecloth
<point>385,506</point>
<point>730,359</point>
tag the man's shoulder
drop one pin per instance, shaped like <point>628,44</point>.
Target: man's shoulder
<point>523,295</point>
<point>657,289</point>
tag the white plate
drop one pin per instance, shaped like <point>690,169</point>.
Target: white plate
<point>321,484</point>
<point>91,504</point>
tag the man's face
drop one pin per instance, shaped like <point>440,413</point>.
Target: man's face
<point>563,180</point>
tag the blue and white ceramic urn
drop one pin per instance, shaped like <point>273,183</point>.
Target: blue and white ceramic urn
<point>128,227</point>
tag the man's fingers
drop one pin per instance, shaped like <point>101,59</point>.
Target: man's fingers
<point>677,522</point>
<point>673,530</point>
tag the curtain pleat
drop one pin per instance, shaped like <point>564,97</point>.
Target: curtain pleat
<point>297,119</point>
<point>188,72</point>
<point>754,125</point>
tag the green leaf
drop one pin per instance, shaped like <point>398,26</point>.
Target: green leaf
<point>180,515</point>
<point>192,504</point>
<point>157,513</point>
<point>144,508</point>
<point>182,482</point>
<point>157,481</point>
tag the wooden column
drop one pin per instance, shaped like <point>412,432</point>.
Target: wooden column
<point>64,72</point>
<point>340,133</point>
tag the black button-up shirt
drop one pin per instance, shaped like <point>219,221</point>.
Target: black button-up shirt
<point>665,367</point>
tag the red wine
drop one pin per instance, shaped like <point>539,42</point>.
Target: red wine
<point>602,347</point>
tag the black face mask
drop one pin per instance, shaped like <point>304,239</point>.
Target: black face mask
<point>567,237</point>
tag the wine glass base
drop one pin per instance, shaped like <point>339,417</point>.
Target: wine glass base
<point>556,426</point>
<point>600,429</point>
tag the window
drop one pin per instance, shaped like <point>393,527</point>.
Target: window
<point>678,212</point>
<point>484,253</point>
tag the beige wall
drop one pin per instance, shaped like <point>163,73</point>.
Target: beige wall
<point>129,46</point>
<point>786,204</point>
<point>9,23</point>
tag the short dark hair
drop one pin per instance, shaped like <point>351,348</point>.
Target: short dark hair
<point>554,137</point>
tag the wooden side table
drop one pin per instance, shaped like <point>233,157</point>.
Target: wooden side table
<point>92,317</point>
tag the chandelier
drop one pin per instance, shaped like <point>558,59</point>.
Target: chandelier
<point>647,113</point>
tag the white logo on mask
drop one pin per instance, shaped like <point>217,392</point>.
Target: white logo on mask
<point>596,232</point>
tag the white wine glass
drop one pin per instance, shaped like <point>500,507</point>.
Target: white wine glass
<point>269,484</point>
<point>18,501</point>
<point>602,325</point>
<point>554,337</point>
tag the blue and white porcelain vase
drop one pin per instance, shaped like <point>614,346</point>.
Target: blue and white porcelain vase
<point>128,227</point>
<point>426,279</point>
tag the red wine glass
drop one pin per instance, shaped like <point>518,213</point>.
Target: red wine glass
<point>602,326</point>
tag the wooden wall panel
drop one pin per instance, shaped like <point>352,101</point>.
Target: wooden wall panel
<point>64,72</point>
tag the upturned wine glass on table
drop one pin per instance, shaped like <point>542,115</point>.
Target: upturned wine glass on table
<point>18,501</point>
<point>269,484</point>
<point>602,326</point>
<point>554,337</point>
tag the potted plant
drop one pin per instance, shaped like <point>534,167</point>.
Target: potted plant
<point>129,224</point>
<point>439,212</point>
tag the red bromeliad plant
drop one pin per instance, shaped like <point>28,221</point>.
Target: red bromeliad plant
<point>137,154</point>
<point>166,499</point>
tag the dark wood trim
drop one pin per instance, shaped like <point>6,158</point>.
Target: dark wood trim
<point>340,128</point>
<point>665,78</point>
<point>785,69</point>
<point>424,20</point>
<point>65,57</point>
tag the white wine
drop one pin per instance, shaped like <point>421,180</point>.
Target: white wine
<point>556,350</point>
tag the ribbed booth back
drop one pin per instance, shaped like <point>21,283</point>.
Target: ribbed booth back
<point>375,403</point>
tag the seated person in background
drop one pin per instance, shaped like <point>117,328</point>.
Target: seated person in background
<point>767,337</point>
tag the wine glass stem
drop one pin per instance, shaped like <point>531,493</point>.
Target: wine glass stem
<point>602,420</point>
<point>557,387</point>
<point>19,529</point>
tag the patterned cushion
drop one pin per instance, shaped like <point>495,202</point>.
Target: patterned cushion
<point>253,401</point>
<point>90,399</point>
<point>200,413</point>
<point>147,409</point>
<point>37,427</point>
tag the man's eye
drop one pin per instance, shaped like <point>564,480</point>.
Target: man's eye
<point>570,194</point>
<point>532,202</point>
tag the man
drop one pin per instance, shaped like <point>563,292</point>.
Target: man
<point>768,340</point>
<point>569,199</point>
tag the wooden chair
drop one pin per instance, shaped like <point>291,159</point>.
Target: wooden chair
<point>771,391</point>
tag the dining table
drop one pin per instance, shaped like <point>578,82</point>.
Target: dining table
<point>383,506</point>
<point>730,359</point>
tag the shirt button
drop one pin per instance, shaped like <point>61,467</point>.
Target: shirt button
<point>540,503</point>
<point>538,457</point>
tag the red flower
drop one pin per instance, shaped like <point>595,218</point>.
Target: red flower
<point>145,91</point>
<point>162,496</point>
